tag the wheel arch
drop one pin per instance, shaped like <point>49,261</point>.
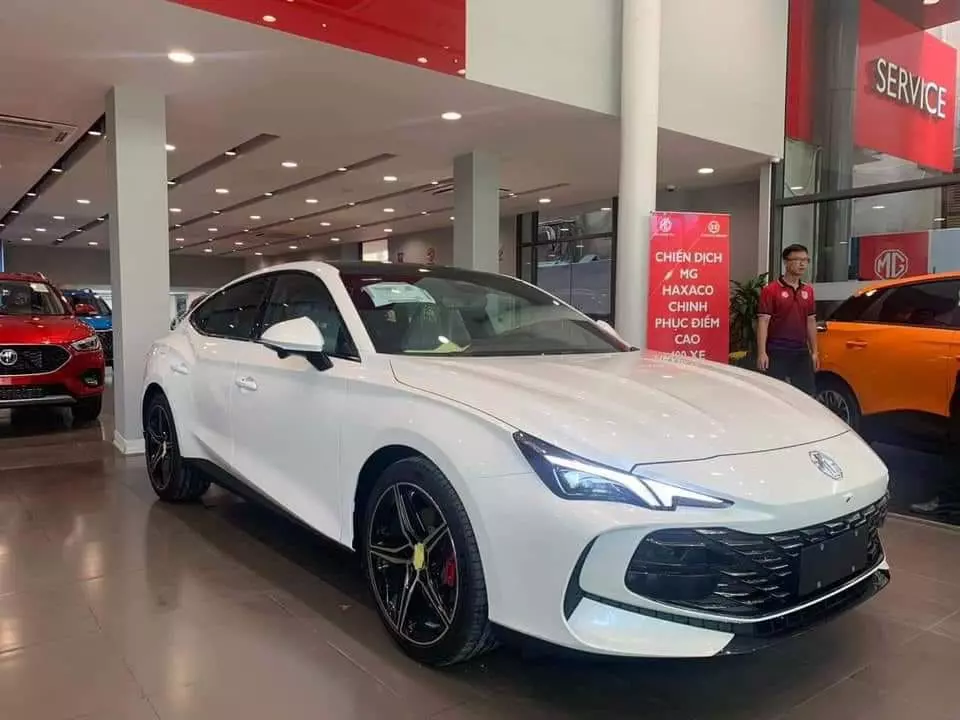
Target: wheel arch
<point>372,469</point>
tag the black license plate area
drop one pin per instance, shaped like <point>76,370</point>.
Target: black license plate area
<point>827,563</point>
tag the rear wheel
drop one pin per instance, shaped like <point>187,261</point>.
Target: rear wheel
<point>836,395</point>
<point>172,479</point>
<point>423,565</point>
<point>87,410</point>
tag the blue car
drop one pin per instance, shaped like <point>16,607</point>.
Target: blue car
<point>101,321</point>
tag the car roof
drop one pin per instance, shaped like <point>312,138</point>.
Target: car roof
<point>24,277</point>
<point>365,267</point>
<point>881,284</point>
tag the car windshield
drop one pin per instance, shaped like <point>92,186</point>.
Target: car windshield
<point>449,312</point>
<point>19,297</point>
<point>94,301</point>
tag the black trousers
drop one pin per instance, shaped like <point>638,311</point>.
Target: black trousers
<point>794,367</point>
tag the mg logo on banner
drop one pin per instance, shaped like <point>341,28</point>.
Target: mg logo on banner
<point>891,264</point>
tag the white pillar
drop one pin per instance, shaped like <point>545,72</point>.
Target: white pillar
<point>639,111</point>
<point>476,200</point>
<point>766,217</point>
<point>139,246</point>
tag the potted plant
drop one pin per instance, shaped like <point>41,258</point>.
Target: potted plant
<point>744,303</point>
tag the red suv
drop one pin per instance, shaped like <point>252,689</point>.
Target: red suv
<point>47,355</point>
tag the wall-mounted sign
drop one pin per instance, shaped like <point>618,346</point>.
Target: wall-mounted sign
<point>688,310</point>
<point>893,255</point>
<point>907,88</point>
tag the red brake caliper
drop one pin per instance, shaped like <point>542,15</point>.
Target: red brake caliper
<point>450,571</point>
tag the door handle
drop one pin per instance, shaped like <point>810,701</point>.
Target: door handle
<point>180,368</point>
<point>246,383</point>
<point>856,344</point>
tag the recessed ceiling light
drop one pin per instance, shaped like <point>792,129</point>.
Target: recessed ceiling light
<point>181,57</point>
<point>879,207</point>
<point>389,210</point>
<point>334,239</point>
<point>208,250</point>
<point>930,2</point>
<point>238,243</point>
<point>40,229</point>
<point>388,230</point>
<point>451,115</point>
<point>171,148</point>
<point>216,212</point>
<point>15,212</point>
<point>59,217</point>
<point>422,60</point>
<point>92,243</point>
<point>258,254</point>
<point>424,212</point>
<point>268,194</point>
<point>351,204</point>
<point>178,239</point>
<point>213,229</point>
<point>171,182</point>
<point>292,219</point>
<point>434,182</point>
<point>95,133</point>
<point>56,170</point>
<point>452,217</point>
<point>312,201</point>
<point>705,171</point>
<point>83,201</point>
<point>222,191</point>
<point>289,164</point>
<point>293,247</point>
<point>178,225</point>
<point>544,201</point>
<point>605,209</point>
<point>341,169</point>
<point>269,19</point>
<point>255,217</point>
<point>100,219</point>
<point>390,178</point>
<point>175,210</point>
<point>27,239</point>
<point>31,194</point>
<point>358,226</point>
<point>246,230</point>
<point>231,153</point>
<point>325,224</point>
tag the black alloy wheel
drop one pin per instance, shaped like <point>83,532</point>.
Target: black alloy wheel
<point>423,565</point>
<point>837,397</point>
<point>172,479</point>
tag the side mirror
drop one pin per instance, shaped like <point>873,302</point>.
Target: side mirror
<point>297,337</point>
<point>84,310</point>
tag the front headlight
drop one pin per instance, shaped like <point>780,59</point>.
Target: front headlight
<point>574,478</point>
<point>88,344</point>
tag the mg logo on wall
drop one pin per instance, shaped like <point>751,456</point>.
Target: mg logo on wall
<point>891,264</point>
<point>713,227</point>
<point>664,224</point>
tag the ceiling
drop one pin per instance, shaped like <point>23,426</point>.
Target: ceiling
<point>279,98</point>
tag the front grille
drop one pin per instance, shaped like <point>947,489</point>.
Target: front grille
<point>33,359</point>
<point>728,572</point>
<point>28,392</point>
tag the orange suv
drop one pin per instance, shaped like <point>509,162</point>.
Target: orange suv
<point>893,351</point>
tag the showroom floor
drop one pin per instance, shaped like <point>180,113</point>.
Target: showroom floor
<point>114,607</point>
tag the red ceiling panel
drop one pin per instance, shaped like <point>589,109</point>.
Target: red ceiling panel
<point>425,33</point>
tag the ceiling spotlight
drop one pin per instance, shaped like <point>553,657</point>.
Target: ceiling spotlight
<point>83,201</point>
<point>341,169</point>
<point>422,60</point>
<point>451,115</point>
<point>293,247</point>
<point>231,153</point>
<point>238,243</point>
<point>389,210</point>
<point>208,250</point>
<point>92,243</point>
<point>59,217</point>
<point>100,219</point>
<point>40,229</point>
<point>545,201</point>
<point>255,217</point>
<point>171,148</point>
<point>175,210</point>
<point>269,19</point>
<point>705,171</point>
<point>930,2</point>
<point>258,254</point>
<point>95,133</point>
<point>434,182</point>
<point>452,217</point>
<point>334,239</point>
<point>292,219</point>
<point>216,212</point>
<point>178,239</point>
<point>178,225</point>
<point>312,201</point>
<point>879,207</point>
<point>246,230</point>
<point>171,182</point>
<point>389,178</point>
<point>56,170</point>
<point>388,230</point>
<point>181,57</point>
<point>358,226</point>
<point>424,212</point>
<point>31,194</point>
<point>268,194</point>
<point>222,191</point>
<point>15,212</point>
<point>351,204</point>
<point>289,164</point>
<point>325,224</point>
<point>27,239</point>
<point>605,209</point>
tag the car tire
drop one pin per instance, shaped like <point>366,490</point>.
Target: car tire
<point>172,479</point>
<point>87,410</point>
<point>836,395</point>
<point>438,616</point>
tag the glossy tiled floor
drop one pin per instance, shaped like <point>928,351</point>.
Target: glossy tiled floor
<point>114,607</point>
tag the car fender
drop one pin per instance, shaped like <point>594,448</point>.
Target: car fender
<point>164,356</point>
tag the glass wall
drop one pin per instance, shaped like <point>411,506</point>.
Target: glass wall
<point>570,253</point>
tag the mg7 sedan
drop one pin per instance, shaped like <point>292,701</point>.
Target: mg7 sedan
<point>498,460</point>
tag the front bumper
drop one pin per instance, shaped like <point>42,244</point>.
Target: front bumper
<point>557,569</point>
<point>81,376</point>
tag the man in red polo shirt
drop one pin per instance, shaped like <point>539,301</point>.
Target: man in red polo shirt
<point>787,325</point>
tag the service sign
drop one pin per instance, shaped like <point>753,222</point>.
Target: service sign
<point>689,303</point>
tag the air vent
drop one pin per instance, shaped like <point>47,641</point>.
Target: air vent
<point>447,188</point>
<point>27,130</point>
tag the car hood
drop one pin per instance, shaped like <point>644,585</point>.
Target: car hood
<point>41,329</point>
<point>629,408</point>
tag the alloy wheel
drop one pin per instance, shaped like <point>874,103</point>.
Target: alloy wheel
<point>836,402</point>
<point>159,446</point>
<point>412,562</point>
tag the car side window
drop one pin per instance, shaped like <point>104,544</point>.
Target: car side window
<point>930,304</point>
<point>859,308</point>
<point>232,313</point>
<point>297,295</point>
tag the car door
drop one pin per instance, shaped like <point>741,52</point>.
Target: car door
<point>901,354</point>
<point>286,413</point>
<point>218,330</point>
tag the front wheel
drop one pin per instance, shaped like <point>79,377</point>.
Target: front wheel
<point>423,565</point>
<point>172,479</point>
<point>837,396</point>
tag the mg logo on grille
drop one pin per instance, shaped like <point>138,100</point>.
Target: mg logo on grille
<point>8,357</point>
<point>826,464</point>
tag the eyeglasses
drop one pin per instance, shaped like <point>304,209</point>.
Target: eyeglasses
<point>799,259</point>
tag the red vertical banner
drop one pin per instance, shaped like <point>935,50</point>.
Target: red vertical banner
<point>689,303</point>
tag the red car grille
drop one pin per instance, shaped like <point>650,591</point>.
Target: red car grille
<point>31,359</point>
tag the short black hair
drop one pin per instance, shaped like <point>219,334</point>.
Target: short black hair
<point>790,249</point>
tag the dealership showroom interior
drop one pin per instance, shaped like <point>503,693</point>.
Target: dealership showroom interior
<point>461,359</point>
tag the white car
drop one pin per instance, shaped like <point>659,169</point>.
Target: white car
<point>499,460</point>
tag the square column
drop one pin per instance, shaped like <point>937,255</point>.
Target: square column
<point>639,116</point>
<point>476,201</point>
<point>139,247</point>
